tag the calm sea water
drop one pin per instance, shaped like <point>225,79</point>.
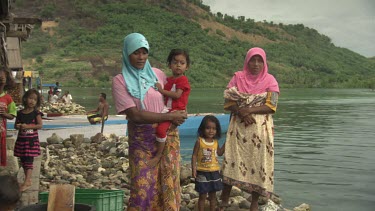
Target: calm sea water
<point>324,143</point>
<point>325,148</point>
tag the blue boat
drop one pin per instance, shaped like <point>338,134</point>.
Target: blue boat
<point>48,85</point>
<point>188,128</point>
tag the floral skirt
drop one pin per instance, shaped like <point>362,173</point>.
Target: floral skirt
<point>249,155</point>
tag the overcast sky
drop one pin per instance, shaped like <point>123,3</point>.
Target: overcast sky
<point>349,23</point>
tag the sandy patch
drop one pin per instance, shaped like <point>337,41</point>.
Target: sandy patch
<point>47,26</point>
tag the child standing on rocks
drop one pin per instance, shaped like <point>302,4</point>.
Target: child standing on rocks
<point>205,165</point>
<point>27,146</point>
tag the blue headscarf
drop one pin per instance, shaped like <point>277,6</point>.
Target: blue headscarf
<point>138,81</point>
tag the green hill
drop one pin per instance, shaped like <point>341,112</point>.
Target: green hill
<point>82,42</point>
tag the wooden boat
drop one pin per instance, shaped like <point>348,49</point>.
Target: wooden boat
<point>54,114</point>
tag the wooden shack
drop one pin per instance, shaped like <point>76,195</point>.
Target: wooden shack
<point>15,66</point>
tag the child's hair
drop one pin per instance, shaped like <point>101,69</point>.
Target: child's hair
<point>103,95</point>
<point>10,84</point>
<point>9,191</point>
<point>27,94</point>
<point>205,120</point>
<point>176,52</point>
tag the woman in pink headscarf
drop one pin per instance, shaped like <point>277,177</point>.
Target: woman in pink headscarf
<point>251,96</point>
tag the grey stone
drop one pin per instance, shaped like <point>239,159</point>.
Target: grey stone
<point>77,139</point>
<point>54,139</point>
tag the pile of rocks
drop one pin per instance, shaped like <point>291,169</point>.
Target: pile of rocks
<point>101,162</point>
<point>63,108</point>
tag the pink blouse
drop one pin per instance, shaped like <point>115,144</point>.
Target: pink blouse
<point>153,100</point>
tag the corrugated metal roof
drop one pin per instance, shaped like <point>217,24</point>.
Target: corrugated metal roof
<point>14,52</point>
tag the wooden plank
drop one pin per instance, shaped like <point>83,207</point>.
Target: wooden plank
<point>23,20</point>
<point>61,197</point>
<point>20,34</point>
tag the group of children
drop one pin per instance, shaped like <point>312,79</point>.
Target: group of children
<point>28,121</point>
<point>205,164</point>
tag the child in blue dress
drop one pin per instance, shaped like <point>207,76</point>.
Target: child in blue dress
<point>27,146</point>
<point>205,165</point>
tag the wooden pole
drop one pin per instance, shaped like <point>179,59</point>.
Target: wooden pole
<point>61,197</point>
<point>103,120</point>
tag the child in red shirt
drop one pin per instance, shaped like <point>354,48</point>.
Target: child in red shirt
<point>8,110</point>
<point>176,92</point>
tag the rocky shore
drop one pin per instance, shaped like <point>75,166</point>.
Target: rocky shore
<point>101,162</point>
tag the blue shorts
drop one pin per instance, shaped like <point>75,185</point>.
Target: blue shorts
<point>207,182</point>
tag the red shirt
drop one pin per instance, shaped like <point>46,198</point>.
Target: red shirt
<point>172,85</point>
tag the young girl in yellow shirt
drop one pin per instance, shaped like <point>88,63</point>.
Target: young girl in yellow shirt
<point>205,165</point>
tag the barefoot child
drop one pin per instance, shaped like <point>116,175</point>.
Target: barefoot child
<point>204,162</point>
<point>176,92</point>
<point>28,121</point>
<point>8,110</point>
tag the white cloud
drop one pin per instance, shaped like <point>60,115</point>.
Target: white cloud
<point>349,23</point>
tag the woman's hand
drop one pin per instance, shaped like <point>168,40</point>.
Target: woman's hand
<point>158,86</point>
<point>178,117</point>
<point>242,112</point>
<point>248,120</point>
<point>245,116</point>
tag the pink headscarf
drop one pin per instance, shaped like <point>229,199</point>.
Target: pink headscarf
<point>254,84</point>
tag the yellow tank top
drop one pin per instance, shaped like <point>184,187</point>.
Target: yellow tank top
<point>207,156</point>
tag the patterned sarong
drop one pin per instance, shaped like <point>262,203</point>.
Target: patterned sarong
<point>249,151</point>
<point>170,172</point>
<point>144,189</point>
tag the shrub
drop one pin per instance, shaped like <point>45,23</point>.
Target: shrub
<point>39,59</point>
<point>219,32</point>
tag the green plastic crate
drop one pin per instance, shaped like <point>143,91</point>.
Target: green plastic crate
<point>103,200</point>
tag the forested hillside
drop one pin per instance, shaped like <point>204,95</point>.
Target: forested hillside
<point>83,40</point>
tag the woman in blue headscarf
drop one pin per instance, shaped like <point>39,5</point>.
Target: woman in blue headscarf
<point>135,94</point>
